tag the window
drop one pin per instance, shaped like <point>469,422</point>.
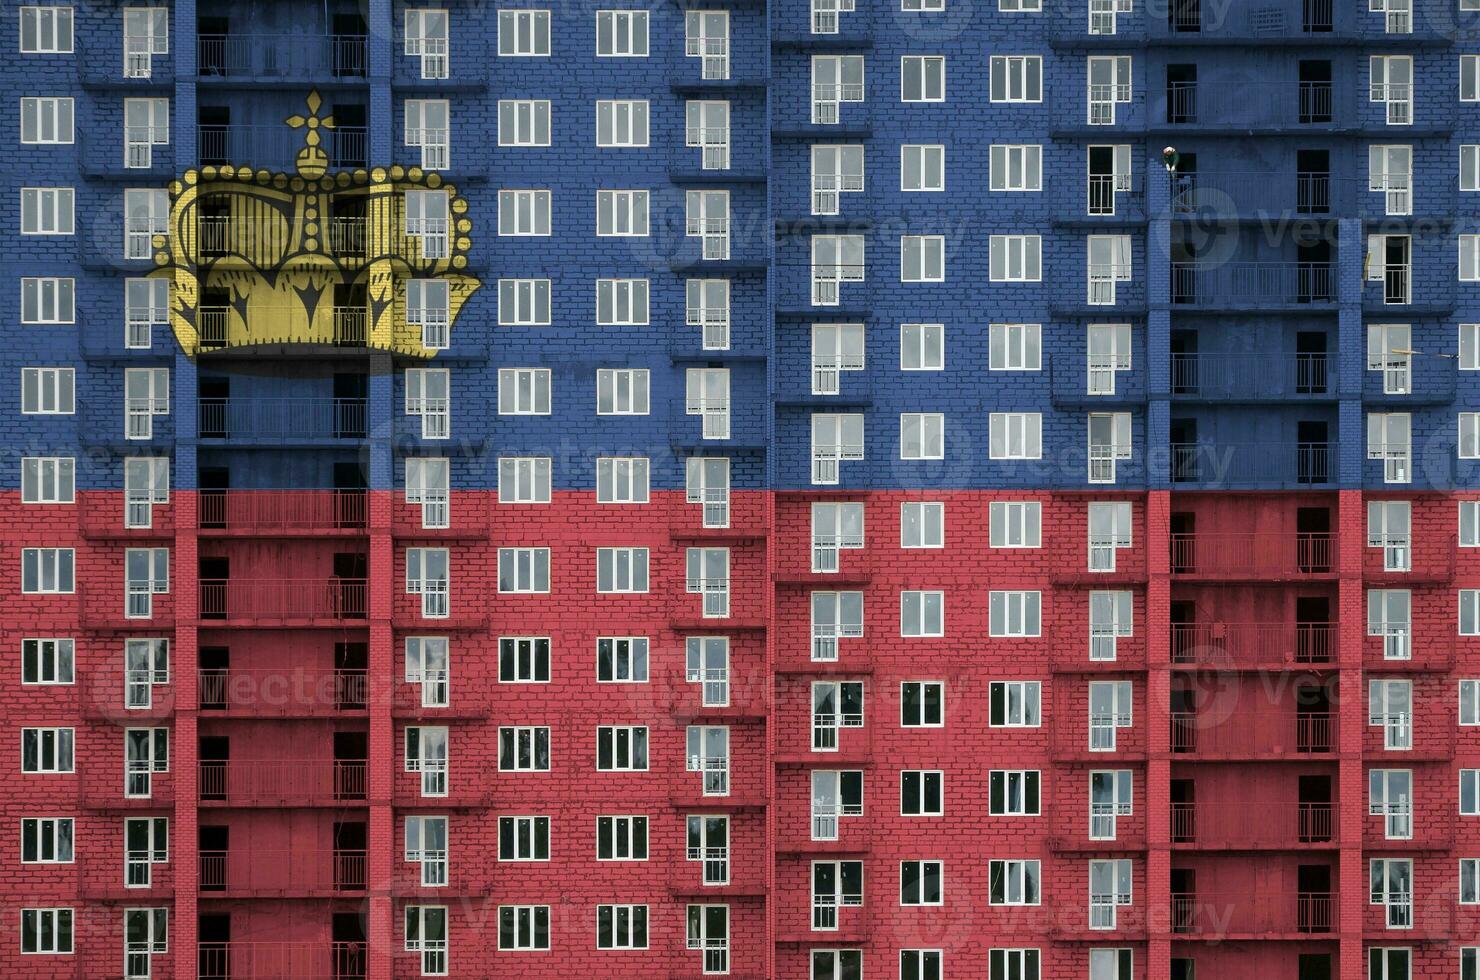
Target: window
<point>47,479</point>
<point>622,123</point>
<point>1014,704</point>
<point>834,615</point>
<point>426,39</point>
<point>1015,347</point>
<point>622,659</point>
<point>524,838</point>
<point>622,480</point>
<point>707,663</point>
<point>146,842</point>
<point>427,222</point>
<point>707,573</point>
<point>922,704</point>
<point>836,259</point>
<point>1390,439</point>
<point>1469,956</point>
<point>621,33</point>
<point>922,78</point>
<point>708,929</point>
<point>1469,167</point>
<point>524,480</point>
<point>1109,798</point>
<point>922,258</point>
<point>146,32</point>
<point>1390,616</point>
<point>1015,524</point>
<point>922,167</point>
<point>524,569</point>
<point>922,525</point>
<point>707,483</point>
<point>707,395</point>
<point>922,613</point>
<point>523,302</point>
<point>1109,619</point>
<point>1016,258</point>
<point>1109,711</point>
<point>707,215</point>
<point>622,302</point>
<point>1469,258</point>
<point>525,212</point>
<point>1390,796</point>
<point>1109,888</point>
<point>427,484</point>
<point>923,964</point>
<point>1109,86</point>
<point>621,570</point>
<point>920,882</point>
<point>428,307</point>
<point>524,391</point>
<point>1389,963</point>
<point>523,927</point>
<point>707,126</point>
<point>707,751</point>
<point>835,527</point>
<point>524,659</point>
<point>1109,532</point>
<point>428,396</point>
<point>1019,7</point>
<point>621,927</point>
<point>1013,792</point>
<point>1392,887</point>
<point>46,750</point>
<point>622,391</point>
<point>1013,964</point>
<point>46,931</point>
<point>1015,435</point>
<point>426,666</point>
<point>146,751</point>
<point>47,661</point>
<point>46,30</point>
<point>922,435</point>
<point>1109,258</point>
<point>1388,346</point>
<point>1390,173</point>
<point>146,124</point>
<point>837,964</point>
<point>836,79</point>
<point>621,748</point>
<point>1013,613</point>
<point>1469,612</point>
<point>146,214</point>
<point>1388,527</point>
<point>146,665</point>
<point>836,348</point>
<point>49,300</point>
<point>1017,167</point>
<point>46,211</point>
<point>146,306</point>
<point>1109,175</point>
<point>428,575</point>
<point>1469,881</point>
<point>835,794</point>
<point>48,121</point>
<point>47,391</point>
<point>523,122</point>
<point>707,305</point>
<point>834,884</point>
<point>426,753</point>
<point>1109,441</point>
<point>1469,702</point>
<point>428,123</point>
<point>1017,78</point>
<point>622,213</point>
<point>426,934</point>
<point>836,170</point>
<point>1469,792</point>
<point>524,748</point>
<point>621,838</point>
<point>921,793</point>
<point>523,33</point>
<point>1391,83</point>
<point>146,574</point>
<point>922,347</point>
<point>46,840</point>
<point>1013,882</point>
<point>707,37</point>
<point>1469,78</point>
<point>47,570</point>
<point>146,393</point>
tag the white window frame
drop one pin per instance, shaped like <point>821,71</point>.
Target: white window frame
<point>47,120</point>
<point>48,480</point>
<point>524,33</point>
<point>47,211</point>
<point>922,524</point>
<point>523,122</point>
<point>524,479</point>
<point>926,162</point>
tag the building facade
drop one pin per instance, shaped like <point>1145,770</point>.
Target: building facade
<point>1018,515</point>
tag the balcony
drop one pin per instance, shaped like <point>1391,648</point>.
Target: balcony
<point>1230,646</point>
<point>282,961</point>
<point>279,512</point>
<point>1253,377</point>
<point>1270,21</point>
<point>1239,105</point>
<point>282,420</point>
<point>277,782</point>
<point>262,602</point>
<point>293,692</point>
<point>281,874</point>
<point>1253,914</point>
<point>267,58</point>
<point>1253,285</point>
<point>1258,556</point>
<point>1253,734</point>
<point>1251,195</point>
<point>1227,826</point>
<point>275,147</point>
<point>219,329</point>
<point>1262,465</point>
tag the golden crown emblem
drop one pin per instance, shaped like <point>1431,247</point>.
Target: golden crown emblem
<point>259,257</point>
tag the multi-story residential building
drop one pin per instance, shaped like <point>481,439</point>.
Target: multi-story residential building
<point>482,501</point>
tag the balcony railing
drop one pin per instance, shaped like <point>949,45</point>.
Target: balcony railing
<point>217,329</point>
<point>1244,734</point>
<point>1280,18</point>
<point>283,599</point>
<point>1253,913</point>
<point>1227,645</point>
<point>1253,284</point>
<point>1229,825</point>
<point>277,511</point>
<point>1254,464</point>
<point>1253,555</point>
<point>1292,192</point>
<point>222,144</point>
<point>1264,376</point>
<point>282,418</point>
<point>281,961</point>
<point>282,56</point>
<point>270,872</point>
<point>1241,104</point>
<point>269,782</point>
<point>293,690</point>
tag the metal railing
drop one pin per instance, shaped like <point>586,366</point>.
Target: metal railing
<point>1279,824</point>
<point>277,780</point>
<point>264,691</point>
<point>282,56</point>
<point>1252,464</point>
<point>282,418</point>
<point>1257,284</point>
<point>1243,103</point>
<point>1253,375</point>
<point>233,143</point>
<point>282,872</point>
<point>1239,644</point>
<point>1205,913</point>
<point>1253,733</point>
<point>280,599</point>
<point>1259,554</point>
<point>282,510</point>
<point>281,960</point>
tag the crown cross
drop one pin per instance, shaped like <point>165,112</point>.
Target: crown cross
<point>311,161</point>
